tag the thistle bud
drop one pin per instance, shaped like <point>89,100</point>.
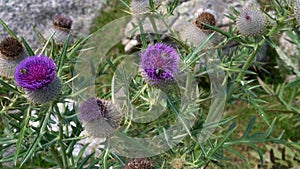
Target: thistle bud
<point>251,22</point>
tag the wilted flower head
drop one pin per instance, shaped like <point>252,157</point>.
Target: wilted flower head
<point>61,27</point>
<point>177,163</point>
<point>142,6</point>
<point>207,17</point>
<point>251,22</point>
<point>159,64</point>
<point>297,11</point>
<point>99,117</point>
<point>11,53</point>
<point>139,163</point>
<point>62,22</point>
<point>37,76</point>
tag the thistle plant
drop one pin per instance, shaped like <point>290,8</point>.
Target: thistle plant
<point>60,29</point>
<point>159,65</point>
<point>142,6</point>
<point>88,104</point>
<point>37,76</point>
<point>99,117</point>
<point>205,17</point>
<point>11,53</point>
<point>251,22</point>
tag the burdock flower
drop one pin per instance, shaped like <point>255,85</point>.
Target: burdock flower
<point>159,64</point>
<point>142,6</point>
<point>100,118</point>
<point>251,22</point>
<point>297,11</point>
<point>11,53</point>
<point>37,76</point>
<point>139,163</point>
<point>61,27</point>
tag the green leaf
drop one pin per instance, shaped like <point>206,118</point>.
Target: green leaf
<point>7,29</point>
<point>271,128</point>
<point>37,139</point>
<point>63,56</point>
<point>260,153</point>
<point>172,6</point>
<point>221,143</point>
<point>27,47</point>
<point>22,134</point>
<point>249,127</point>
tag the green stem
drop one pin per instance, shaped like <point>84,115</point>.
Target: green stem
<point>56,157</point>
<point>244,68</point>
<point>60,138</point>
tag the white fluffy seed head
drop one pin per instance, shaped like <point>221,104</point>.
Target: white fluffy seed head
<point>142,6</point>
<point>251,22</point>
<point>297,11</point>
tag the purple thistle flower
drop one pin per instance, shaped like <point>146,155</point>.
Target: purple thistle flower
<point>35,72</point>
<point>37,76</point>
<point>91,109</point>
<point>99,117</point>
<point>159,64</point>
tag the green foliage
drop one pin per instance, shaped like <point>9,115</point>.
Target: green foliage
<point>262,111</point>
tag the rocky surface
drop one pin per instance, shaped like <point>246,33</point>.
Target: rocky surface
<point>21,15</point>
<point>184,14</point>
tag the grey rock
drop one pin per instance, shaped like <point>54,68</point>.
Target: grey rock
<point>22,15</point>
<point>183,16</point>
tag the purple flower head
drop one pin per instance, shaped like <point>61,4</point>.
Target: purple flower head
<point>100,118</point>
<point>159,64</point>
<point>92,109</point>
<point>35,72</point>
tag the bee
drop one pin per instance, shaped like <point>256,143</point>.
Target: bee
<point>164,55</point>
<point>158,71</point>
<point>23,71</point>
